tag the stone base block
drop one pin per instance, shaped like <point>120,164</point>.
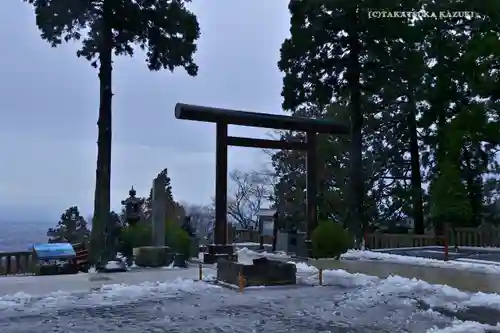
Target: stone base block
<point>180,260</point>
<point>153,256</point>
<point>214,258</point>
<point>215,252</point>
<point>263,272</point>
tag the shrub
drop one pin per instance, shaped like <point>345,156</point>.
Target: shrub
<point>178,239</point>
<point>134,236</point>
<point>330,240</point>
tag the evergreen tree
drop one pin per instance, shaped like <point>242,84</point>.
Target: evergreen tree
<point>334,57</point>
<point>419,83</point>
<point>71,227</point>
<point>165,29</point>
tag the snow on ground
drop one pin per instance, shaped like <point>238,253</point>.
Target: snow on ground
<point>43,285</point>
<point>248,244</point>
<point>171,300</point>
<point>464,327</point>
<point>106,294</point>
<point>481,267</point>
<point>477,261</point>
<point>438,295</point>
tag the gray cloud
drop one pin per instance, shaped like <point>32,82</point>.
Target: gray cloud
<point>49,102</point>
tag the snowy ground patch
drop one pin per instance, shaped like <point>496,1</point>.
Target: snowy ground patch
<point>434,295</point>
<point>350,303</point>
<point>104,295</point>
<point>395,258</point>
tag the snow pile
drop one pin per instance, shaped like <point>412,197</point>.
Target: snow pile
<point>395,258</point>
<point>171,266</point>
<point>114,264</point>
<point>307,274</point>
<point>246,256</point>
<point>245,244</point>
<point>433,295</point>
<point>464,327</point>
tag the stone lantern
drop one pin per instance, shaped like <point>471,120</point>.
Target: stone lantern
<point>132,207</point>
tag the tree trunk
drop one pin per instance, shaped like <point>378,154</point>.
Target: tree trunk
<point>474,189</point>
<point>356,223</point>
<point>103,169</point>
<point>416,177</point>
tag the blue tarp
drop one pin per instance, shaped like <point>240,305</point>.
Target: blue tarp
<point>54,251</point>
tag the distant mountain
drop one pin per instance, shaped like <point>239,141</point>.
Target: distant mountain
<point>19,236</point>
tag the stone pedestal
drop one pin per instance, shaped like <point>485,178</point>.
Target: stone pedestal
<point>153,256</point>
<point>292,243</point>
<point>263,272</point>
<point>214,252</point>
<point>180,260</point>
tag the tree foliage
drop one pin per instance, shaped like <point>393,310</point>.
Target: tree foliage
<point>71,228</point>
<point>175,211</point>
<point>164,29</point>
<point>421,96</point>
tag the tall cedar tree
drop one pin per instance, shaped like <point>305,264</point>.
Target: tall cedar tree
<point>165,29</point>
<point>332,57</point>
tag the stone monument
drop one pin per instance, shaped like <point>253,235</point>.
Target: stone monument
<point>158,254</point>
<point>159,213</point>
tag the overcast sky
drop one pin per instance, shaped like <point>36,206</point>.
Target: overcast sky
<point>49,102</point>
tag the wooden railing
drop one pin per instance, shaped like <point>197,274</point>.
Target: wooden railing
<point>389,241</point>
<point>482,237</point>
<point>16,263</point>
<point>478,237</point>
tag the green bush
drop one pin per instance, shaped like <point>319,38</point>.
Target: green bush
<point>330,240</point>
<point>134,236</point>
<point>178,239</point>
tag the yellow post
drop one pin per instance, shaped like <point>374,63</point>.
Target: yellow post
<point>320,273</point>
<point>200,271</point>
<point>241,281</point>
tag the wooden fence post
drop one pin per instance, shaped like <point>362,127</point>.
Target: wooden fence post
<point>241,281</point>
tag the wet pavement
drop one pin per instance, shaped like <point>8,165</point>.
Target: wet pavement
<point>454,254</point>
<point>348,305</point>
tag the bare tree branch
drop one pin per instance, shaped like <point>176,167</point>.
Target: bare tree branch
<point>250,192</point>
<point>202,217</point>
